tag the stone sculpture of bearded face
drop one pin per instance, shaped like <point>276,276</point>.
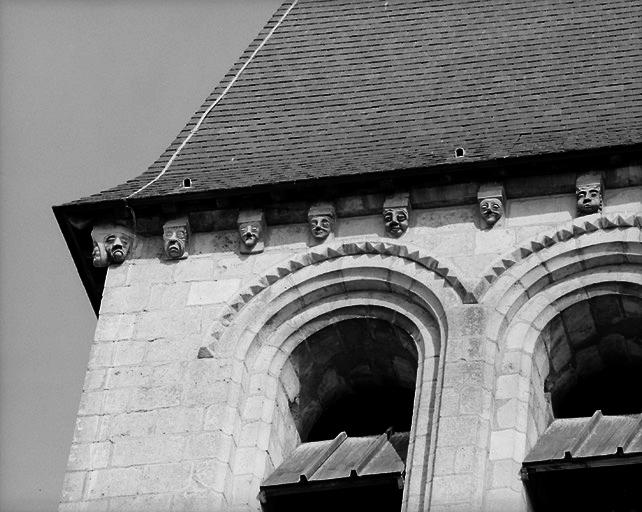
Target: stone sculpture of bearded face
<point>117,246</point>
<point>112,244</point>
<point>396,221</point>
<point>490,197</point>
<point>176,238</point>
<point>250,233</point>
<point>251,226</point>
<point>491,210</point>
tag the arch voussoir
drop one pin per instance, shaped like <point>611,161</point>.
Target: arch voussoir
<point>609,227</point>
<point>323,253</point>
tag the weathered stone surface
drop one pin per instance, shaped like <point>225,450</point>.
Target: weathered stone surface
<point>540,210</point>
<point>159,478</point>
<point>146,503</point>
<point>147,450</point>
<point>114,482</point>
<point>161,429</point>
<point>72,486</point>
<point>162,324</point>
<point>200,500</point>
<point>143,399</point>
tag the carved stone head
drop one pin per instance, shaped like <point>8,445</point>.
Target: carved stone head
<point>491,203</point>
<point>176,238</point>
<point>250,233</point>
<point>113,241</point>
<point>99,255</point>
<point>251,225</point>
<point>588,190</point>
<point>321,218</point>
<point>396,214</point>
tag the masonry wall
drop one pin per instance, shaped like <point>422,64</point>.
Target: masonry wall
<point>155,428</point>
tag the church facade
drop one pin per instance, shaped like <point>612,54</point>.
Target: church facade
<point>395,258</point>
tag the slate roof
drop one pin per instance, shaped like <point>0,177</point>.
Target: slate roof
<point>576,439</point>
<point>344,87</point>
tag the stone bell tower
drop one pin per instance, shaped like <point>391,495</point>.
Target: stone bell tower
<point>394,260</point>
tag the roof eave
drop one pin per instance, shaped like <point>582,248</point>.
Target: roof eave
<point>93,279</point>
<point>89,276</point>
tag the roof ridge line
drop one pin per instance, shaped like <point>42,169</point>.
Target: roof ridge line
<point>216,101</point>
<point>314,465</point>
<point>584,433</point>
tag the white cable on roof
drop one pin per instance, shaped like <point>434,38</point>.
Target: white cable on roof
<point>216,101</point>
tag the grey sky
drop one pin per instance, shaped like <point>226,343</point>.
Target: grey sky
<point>91,92</point>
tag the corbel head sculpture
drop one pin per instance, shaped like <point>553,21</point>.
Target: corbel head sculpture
<point>99,255</point>
<point>321,218</point>
<point>251,226</point>
<point>176,238</point>
<point>112,244</point>
<point>396,214</point>
<point>589,189</point>
<point>491,201</point>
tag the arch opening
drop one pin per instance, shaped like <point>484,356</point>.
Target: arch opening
<point>385,293</point>
<point>594,354</point>
<point>350,388</point>
<point>595,357</point>
<point>356,376</point>
<point>548,372</point>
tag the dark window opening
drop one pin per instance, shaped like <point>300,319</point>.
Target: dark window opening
<point>377,494</point>
<point>612,391</point>
<point>356,376</point>
<point>595,351</point>
<point>597,489</point>
<point>369,411</point>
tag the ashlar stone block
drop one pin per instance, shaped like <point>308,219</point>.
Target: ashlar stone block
<point>114,482</point>
<point>200,500</point>
<point>129,352</point>
<point>179,420</point>
<point>88,456</point>
<point>85,506</point>
<point>160,478</point>
<point>146,503</point>
<point>133,424</point>
<point>147,450</point>
<point>452,489</point>
<point>212,292</point>
<point>72,486</point>
<point>210,445</point>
